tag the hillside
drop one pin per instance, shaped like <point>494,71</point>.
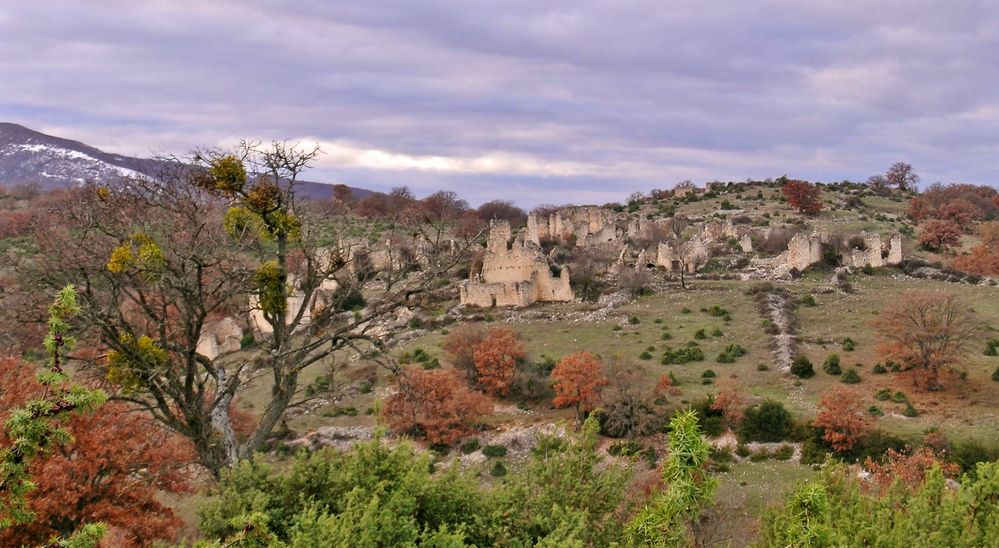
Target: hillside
<point>28,157</point>
<point>705,299</point>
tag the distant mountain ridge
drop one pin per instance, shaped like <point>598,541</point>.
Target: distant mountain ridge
<point>31,157</point>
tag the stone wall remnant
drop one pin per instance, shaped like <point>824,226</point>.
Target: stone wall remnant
<point>515,272</point>
<point>219,338</point>
<point>691,255</point>
<point>587,224</point>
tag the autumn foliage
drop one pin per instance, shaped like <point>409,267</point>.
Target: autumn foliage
<point>984,258</point>
<point>843,419</point>
<point>729,402</point>
<point>925,332</point>
<point>958,202</point>
<point>496,359</point>
<point>460,345</point>
<point>435,403</point>
<point>803,196</point>
<point>908,468</point>
<point>578,381</point>
<point>939,235</point>
<point>112,472</point>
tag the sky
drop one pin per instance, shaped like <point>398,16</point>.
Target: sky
<point>531,101</point>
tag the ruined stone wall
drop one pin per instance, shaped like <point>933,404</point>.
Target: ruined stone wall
<point>588,224</point>
<point>515,272</point>
<point>219,338</point>
<point>895,250</point>
<point>803,251</point>
<point>691,255</point>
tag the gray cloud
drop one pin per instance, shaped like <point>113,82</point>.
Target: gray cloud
<point>532,101</point>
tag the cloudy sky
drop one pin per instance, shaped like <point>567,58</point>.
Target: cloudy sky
<point>533,101</point>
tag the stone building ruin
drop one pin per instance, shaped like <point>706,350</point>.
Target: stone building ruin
<point>515,272</point>
<point>805,250</point>
<point>588,225</point>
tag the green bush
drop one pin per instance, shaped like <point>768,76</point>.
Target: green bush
<point>813,452</point>
<point>849,345</point>
<point>831,365</point>
<point>685,310</point>
<point>246,341</point>
<point>432,364</point>
<point>875,411</point>
<point>766,422</point>
<point>992,347</point>
<point>665,336</point>
<point>717,333</point>
<point>808,300</point>
<point>700,335</point>
<point>850,377</point>
<point>633,320</point>
<point>784,452</point>
<point>910,411</point>
<point>883,394</point>
<point>717,311</point>
<point>995,375</point>
<point>731,353</point>
<point>710,420</point>
<point>682,355</point>
<point>762,367</point>
<point>707,374</point>
<point>492,451</point>
<point>498,470</point>
<point>879,369</point>
<point>899,397</point>
<point>645,356</point>
<point>801,367</point>
<point>742,450</point>
<point>470,446</point>
<point>761,455</point>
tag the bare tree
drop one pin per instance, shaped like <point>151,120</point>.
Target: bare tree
<point>901,176</point>
<point>157,261</point>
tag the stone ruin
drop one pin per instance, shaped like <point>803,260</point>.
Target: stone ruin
<point>691,255</point>
<point>515,272</point>
<point>805,250</point>
<point>589,225</point>
<point>219,338</point>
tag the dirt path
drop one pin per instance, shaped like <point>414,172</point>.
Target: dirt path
<point>784,339</point>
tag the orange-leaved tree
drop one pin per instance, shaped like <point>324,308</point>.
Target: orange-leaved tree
<point>460,345</point>
<point>984,258</point>
<point>939,235</point>
<point>843,419</point>
<point>436,403</point>
<point>578,380</point>
<point>496,359</point>
<point>803,196</point>
<point>729,402</point>
<point>113,471</point>
<point>926,332</point>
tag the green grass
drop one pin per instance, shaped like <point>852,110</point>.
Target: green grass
<point>745,491</point>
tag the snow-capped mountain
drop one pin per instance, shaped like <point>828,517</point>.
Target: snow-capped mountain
<point>27,156</point>
<point>30,157</point>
